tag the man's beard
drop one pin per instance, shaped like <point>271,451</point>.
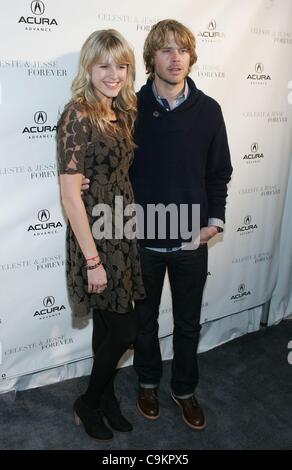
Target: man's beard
<point>169,81</point>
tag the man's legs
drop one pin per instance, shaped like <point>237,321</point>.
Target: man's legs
<point>147,356</point>
<point>187,271</point>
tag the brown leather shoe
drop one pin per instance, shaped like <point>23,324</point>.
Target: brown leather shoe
<point>148,403</point>
<point>192,413</point>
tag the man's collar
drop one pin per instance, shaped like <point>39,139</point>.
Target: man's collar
<point>182,94</point>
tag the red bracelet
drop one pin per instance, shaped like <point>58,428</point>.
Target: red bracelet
<point>93,258</point>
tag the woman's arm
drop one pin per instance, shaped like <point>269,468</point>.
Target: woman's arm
<point>76,213</point>
<point>73,135</point>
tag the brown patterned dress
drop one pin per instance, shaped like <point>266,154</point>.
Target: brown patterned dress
<point>81,149</point>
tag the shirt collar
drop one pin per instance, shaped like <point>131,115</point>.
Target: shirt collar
<point>180,97</point>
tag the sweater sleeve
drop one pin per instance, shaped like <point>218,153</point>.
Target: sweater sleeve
<point>219,170</point>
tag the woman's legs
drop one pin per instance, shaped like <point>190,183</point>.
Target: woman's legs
<point>113,333</point>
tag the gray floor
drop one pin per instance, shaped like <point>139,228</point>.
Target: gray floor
<point>245,389</point>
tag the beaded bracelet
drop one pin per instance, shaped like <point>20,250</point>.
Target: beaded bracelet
<point>94,266</point>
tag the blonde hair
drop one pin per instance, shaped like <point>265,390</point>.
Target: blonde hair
<point>98,47</point>
<point>156,40</point>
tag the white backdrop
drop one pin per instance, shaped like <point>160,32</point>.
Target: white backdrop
<point>244,50</point>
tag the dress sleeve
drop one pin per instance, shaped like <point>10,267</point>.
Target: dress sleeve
<point>73,135</point>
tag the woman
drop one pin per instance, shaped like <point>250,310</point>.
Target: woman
<point>95,139</point>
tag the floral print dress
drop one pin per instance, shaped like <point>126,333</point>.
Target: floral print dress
<point>106,163</point>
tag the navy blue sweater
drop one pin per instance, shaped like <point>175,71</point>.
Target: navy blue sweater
<point>182,156</point>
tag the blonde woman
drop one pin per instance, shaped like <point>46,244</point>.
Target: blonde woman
<point>103,274</point>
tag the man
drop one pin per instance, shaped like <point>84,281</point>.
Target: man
<point>182,158</point>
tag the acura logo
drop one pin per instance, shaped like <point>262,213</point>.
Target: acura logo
<point>259,67</point>
<point>43,215</point>
<point>254,147</point>
<point>212,25</point>
<point>49,301</point>
<point>241,288</point>
<point>37,8</point>
<point>247,220</point>
<point>40,117</point>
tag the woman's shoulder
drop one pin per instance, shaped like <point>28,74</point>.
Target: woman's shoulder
<point>75,108</point>
<point>74,111</point>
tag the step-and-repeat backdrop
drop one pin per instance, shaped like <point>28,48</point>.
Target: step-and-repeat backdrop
<point>244,50</point>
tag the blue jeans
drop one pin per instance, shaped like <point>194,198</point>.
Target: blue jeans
<point>187,271</point>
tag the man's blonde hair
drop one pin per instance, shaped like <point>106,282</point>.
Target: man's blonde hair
<point>156,40</point>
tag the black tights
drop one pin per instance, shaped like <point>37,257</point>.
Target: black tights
<point>112,334</point>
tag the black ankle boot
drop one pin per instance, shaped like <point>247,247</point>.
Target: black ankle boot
<point>112,411</point>
<point>91,420</point>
